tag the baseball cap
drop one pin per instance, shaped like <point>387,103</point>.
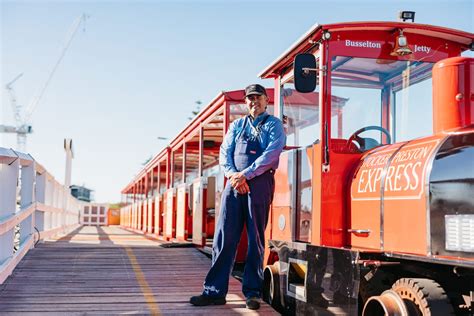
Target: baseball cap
<point>255,89</point>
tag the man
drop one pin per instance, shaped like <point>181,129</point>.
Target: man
<point>249,155</point>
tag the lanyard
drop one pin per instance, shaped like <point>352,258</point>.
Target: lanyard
<point>258,128</point>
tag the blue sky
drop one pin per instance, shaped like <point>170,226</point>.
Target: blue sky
<point>137,70</point>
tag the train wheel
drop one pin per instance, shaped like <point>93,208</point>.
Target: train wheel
<point>389,303</point>
<point>423,297</point>
<point>271,286</point>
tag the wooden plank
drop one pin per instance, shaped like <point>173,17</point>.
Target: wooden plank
<point>90,271</point>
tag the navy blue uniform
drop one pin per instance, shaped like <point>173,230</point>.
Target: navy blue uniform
<point>251,146</point>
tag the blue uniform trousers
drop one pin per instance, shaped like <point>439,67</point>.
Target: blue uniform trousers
<point>237,209</point>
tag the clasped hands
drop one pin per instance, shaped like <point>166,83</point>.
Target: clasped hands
<point>239,183</point>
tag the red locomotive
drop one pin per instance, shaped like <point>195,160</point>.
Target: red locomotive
<point>373,212</point>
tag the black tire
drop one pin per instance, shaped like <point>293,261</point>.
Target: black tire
<point>271,286</point>
<point>423,297</point>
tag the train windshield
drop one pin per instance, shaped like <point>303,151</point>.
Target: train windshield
<point>300,114</point>
<point>379,101</point>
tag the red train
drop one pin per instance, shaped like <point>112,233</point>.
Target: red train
<point>374,206</point>
<point>373,210</point>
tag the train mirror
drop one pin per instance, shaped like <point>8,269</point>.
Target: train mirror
<point>305,73</point>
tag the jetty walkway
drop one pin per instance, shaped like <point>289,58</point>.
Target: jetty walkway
<point>109,270</point>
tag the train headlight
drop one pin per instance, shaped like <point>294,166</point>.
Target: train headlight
<point>406,16</point>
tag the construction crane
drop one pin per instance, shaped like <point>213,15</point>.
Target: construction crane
<point>22,118</point>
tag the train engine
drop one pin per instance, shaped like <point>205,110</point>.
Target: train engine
<point>373,211</point>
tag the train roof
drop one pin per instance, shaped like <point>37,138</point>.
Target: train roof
<point>314,34</point>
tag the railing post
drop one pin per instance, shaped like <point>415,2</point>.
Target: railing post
<point>40,193</point>
<point>63,206</point>
<point>47,201</point>
<point>8,181</point>
<point>56,199</point>
<point>57,205</point>
<point>26,199</point>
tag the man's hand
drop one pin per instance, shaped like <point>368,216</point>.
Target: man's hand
<point>243,188</point>
<point>239,182</point>
<point>237,179</point>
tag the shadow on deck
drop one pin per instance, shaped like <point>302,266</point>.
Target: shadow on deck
<point>108,270</point>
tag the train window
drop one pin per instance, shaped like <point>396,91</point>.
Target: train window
<point>300,115</point>
<point>411,102</point>
<point>162,174</point>
<point>355,102</point>
<point>177,167</point>
<point>467,53</point>
<point>379,100</point>
<point>192,159</point>
<point>304,198</point>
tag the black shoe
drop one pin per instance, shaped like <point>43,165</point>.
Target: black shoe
<point>252,303</point>
<point>204,300</point>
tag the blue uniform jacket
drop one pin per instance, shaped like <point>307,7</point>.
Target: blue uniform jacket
<point>272,139</point>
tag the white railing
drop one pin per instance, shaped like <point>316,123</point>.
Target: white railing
<point>33,206</point>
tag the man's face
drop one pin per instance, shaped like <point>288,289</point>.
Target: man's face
<point>256,104</point>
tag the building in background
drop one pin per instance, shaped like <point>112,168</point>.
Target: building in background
<point>82,193</point>
<point>100,214</point>
<point>94,214</point>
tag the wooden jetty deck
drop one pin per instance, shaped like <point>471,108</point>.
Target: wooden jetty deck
<point>109,270</point>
